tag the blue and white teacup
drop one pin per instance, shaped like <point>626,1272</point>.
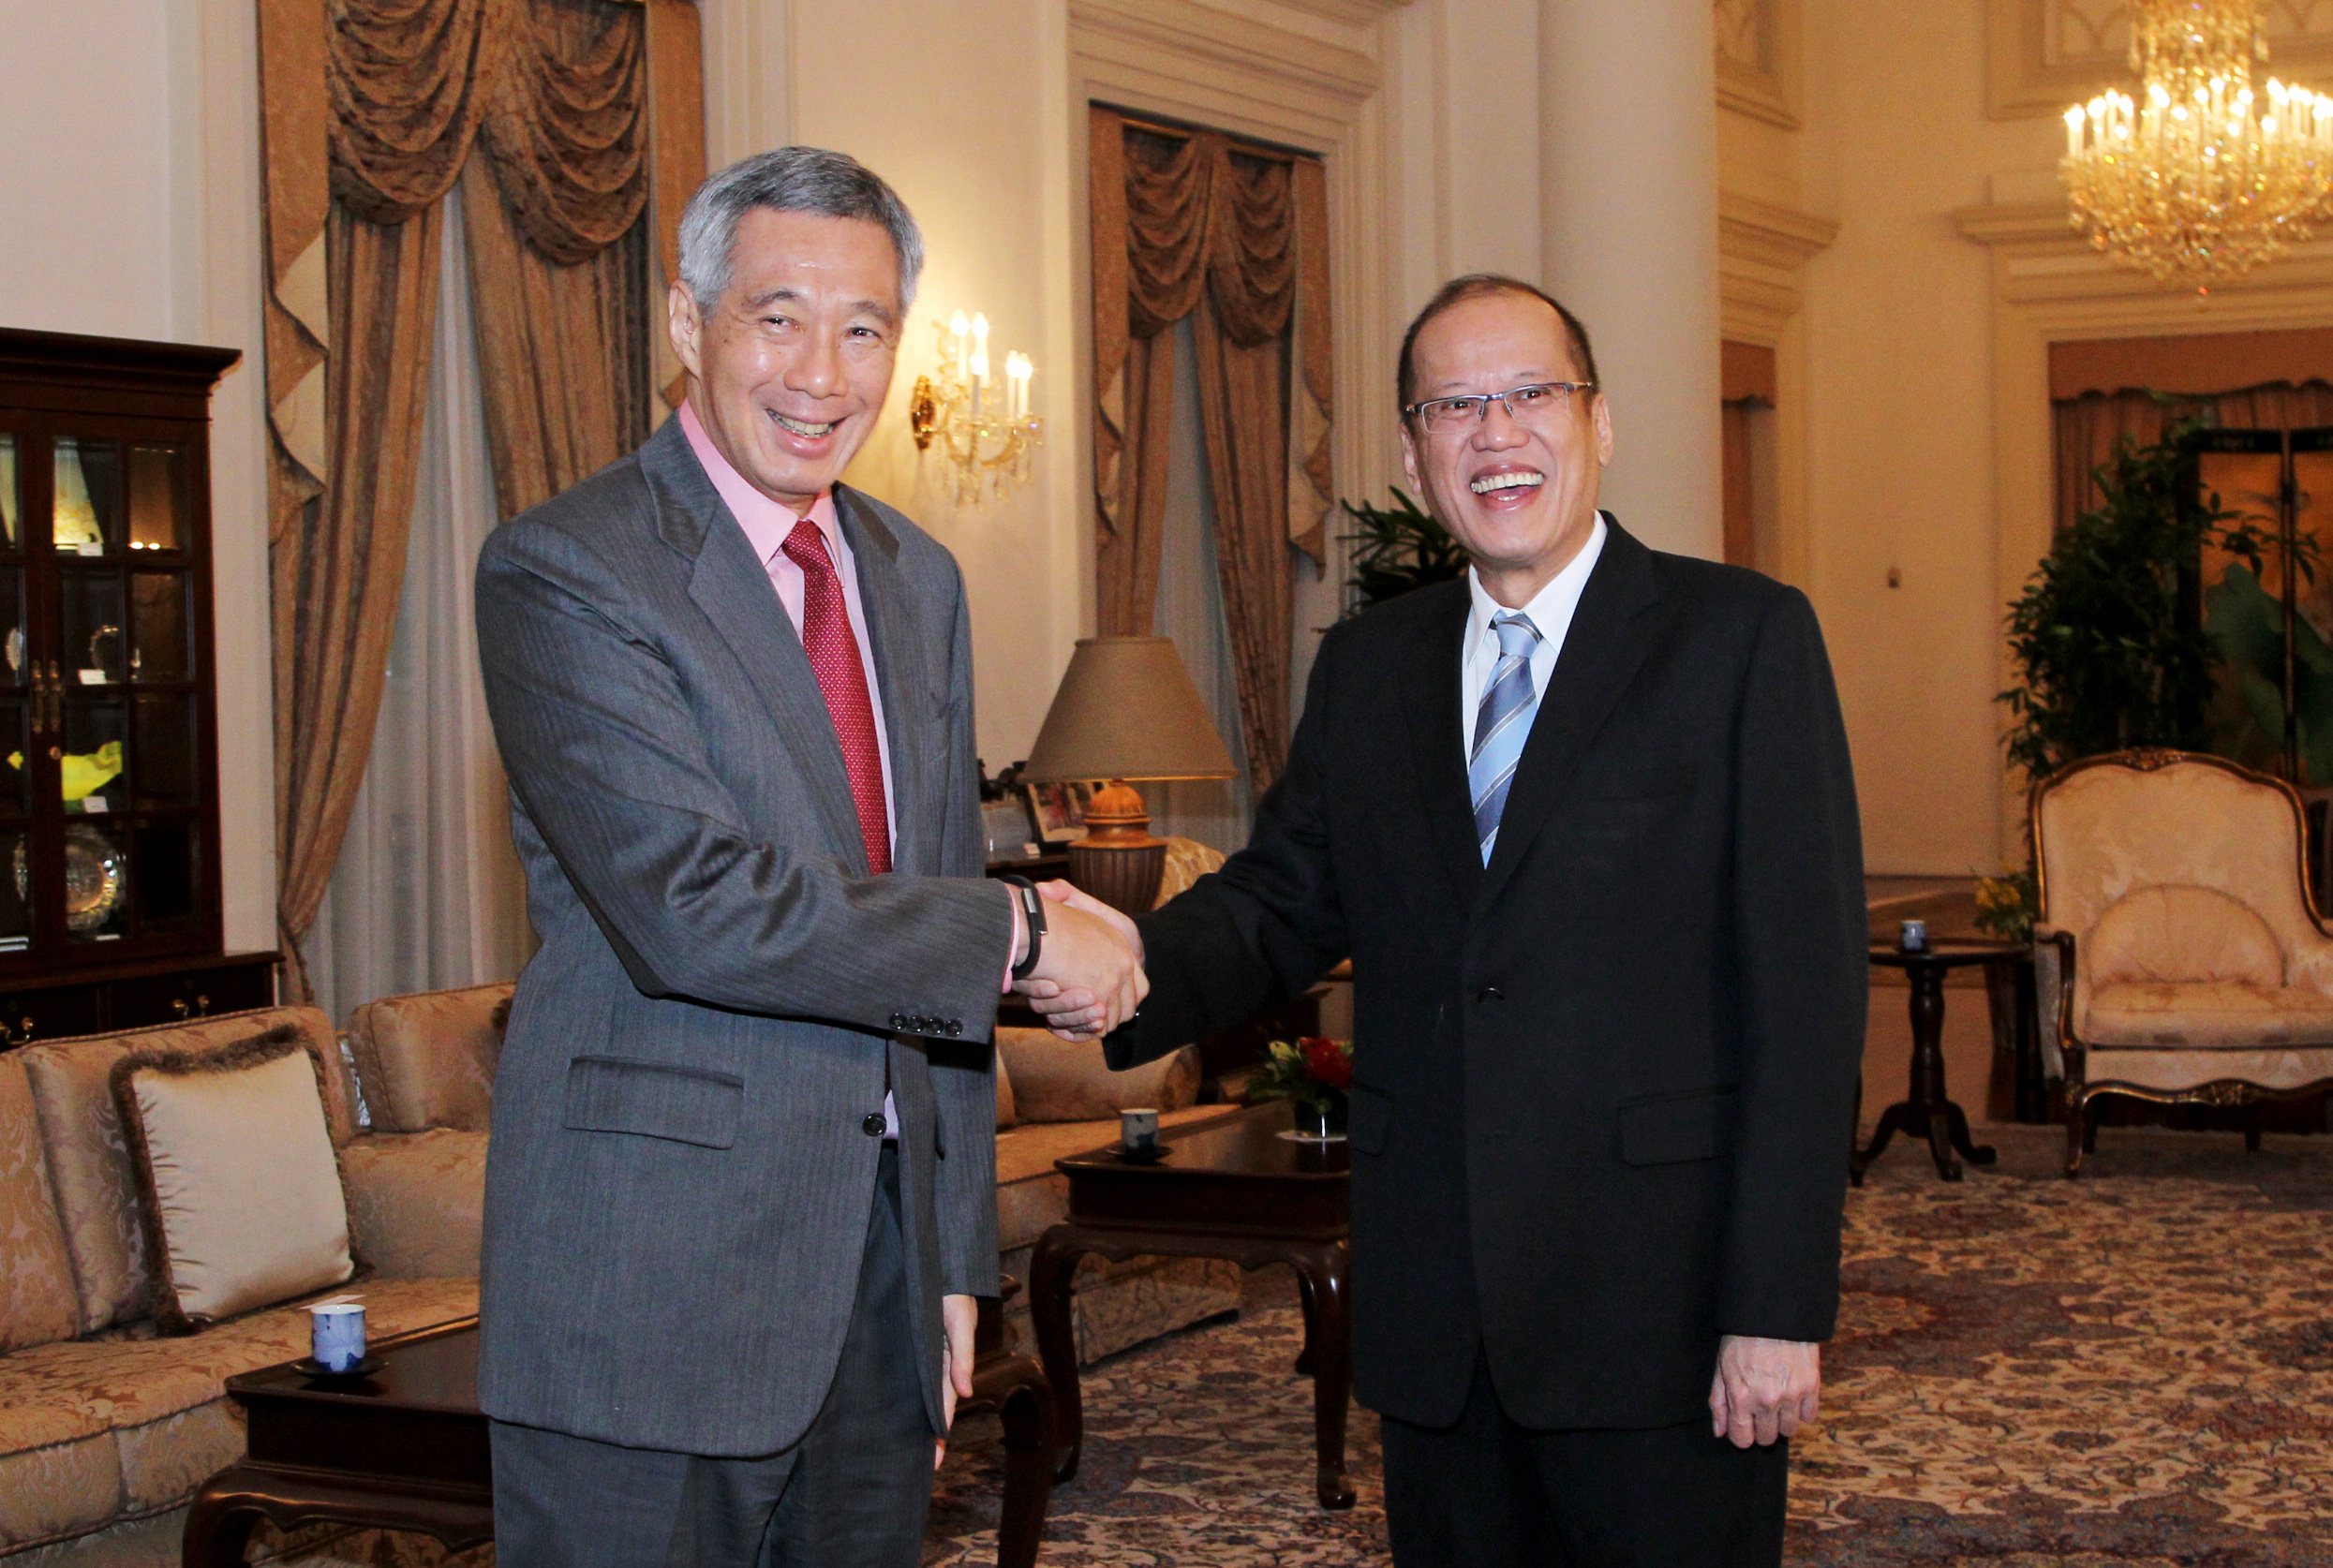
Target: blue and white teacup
<point>338,1333</point>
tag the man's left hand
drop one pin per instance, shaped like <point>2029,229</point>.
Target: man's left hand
<point>958,1314</point>
<point>1765,1388</point>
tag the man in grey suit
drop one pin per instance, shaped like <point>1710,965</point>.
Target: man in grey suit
<point>741,1193</point>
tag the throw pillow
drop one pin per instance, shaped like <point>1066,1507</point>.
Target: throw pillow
<point>240,1185</point>
<point>1062,1080</point>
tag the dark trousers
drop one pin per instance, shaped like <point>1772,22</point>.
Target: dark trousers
<point>1487,1493</point>
<point>850,1494</point>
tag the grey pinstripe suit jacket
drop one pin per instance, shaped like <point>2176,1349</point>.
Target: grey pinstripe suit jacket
<point>679,1181</point>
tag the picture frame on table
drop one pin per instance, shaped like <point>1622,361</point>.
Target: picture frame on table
<point>1057,811</point>
<point>1008,828</point>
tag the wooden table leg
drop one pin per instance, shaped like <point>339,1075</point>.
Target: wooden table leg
<point>220,1521</point>
<point>1026,1412</point>
<point>1328,1347</point>
<point>1051,1266</point>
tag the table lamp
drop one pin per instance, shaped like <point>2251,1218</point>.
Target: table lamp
<point>1126,710</point>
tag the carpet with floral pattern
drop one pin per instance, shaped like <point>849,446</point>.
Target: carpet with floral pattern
<point>2135,1369</point>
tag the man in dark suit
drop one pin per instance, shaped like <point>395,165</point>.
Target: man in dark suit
<point>742,1190</point>
<point>1585,824</point>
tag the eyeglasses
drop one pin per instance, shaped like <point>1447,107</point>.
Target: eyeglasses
<point>1535,404</point>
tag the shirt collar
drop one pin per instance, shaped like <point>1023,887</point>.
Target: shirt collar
<point>1551,609</point>
<point>768,524</point>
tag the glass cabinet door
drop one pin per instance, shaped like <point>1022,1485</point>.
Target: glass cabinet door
<point>16,762</point>
<point>120,693</point>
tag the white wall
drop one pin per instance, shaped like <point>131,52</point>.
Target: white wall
<point>1900,418</point>
<point>129,172</point>
<point>991,187</point>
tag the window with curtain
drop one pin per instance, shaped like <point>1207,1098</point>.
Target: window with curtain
<point>564,135</point>
<point>1219,245</point>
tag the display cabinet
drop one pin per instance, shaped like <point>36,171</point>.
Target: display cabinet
<point>109,758</point>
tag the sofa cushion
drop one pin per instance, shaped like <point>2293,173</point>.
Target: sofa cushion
<point>91,1428</point>
<point>2181,935</point>
<point>242,1190</point>
<point>1007,1111</point>
<point>428,1060</point>
<point>1066,1080</point>
<point>416,1202</point>
<point>96,1191</point>
<point>2221,1014</point>
<point>39,1301</point>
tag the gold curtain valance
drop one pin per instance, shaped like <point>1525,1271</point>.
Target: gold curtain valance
<point>557,87</point>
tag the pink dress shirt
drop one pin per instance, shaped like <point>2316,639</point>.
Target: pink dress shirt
<point>766,526</point>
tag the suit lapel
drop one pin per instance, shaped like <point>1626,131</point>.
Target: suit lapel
<point>732,591</point>
<point>1432,700</point>
<point>900,674</point>
<point>1612,631</point>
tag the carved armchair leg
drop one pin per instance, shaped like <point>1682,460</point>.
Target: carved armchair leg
<point>2079,1130</point>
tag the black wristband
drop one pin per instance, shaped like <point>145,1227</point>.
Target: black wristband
<point>1033,911</point>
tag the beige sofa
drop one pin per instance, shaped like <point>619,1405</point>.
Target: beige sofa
<point>106,1428</point>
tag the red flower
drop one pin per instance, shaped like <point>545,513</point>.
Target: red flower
<point>1326,1062</point>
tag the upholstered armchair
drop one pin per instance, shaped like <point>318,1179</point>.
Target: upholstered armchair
<point>2185,959</point>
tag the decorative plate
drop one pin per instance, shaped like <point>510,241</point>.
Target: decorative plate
<point>94,877</point>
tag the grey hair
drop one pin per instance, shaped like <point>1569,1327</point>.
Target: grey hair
<point>790,180</point>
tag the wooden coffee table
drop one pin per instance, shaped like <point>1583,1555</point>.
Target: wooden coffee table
<point>1232,1188</point>
<point>408,1449</point>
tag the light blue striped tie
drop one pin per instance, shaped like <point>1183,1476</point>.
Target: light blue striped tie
<point>1501,724</point>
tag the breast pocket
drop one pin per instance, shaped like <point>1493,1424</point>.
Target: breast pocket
<point>653,1099</point>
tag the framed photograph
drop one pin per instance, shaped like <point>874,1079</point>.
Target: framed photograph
<point>1058,810</point>
<point>1008,830</point>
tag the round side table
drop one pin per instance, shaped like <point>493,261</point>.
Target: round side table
<point>1929,1112</point>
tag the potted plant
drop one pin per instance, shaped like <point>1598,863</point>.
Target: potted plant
<point>1316,1075</point>
<point>1398,548</point>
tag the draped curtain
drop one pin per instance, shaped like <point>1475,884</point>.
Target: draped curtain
<point>542,112</point>
<point>1193,224</point>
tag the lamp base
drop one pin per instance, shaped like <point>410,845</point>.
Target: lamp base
<point>1117,860</point>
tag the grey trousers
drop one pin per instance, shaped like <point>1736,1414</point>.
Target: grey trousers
<point>850,1494</point>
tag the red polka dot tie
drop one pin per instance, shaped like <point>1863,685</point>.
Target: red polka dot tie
<point>834,657</point>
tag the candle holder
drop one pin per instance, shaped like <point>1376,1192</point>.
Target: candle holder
<point>983,428</point>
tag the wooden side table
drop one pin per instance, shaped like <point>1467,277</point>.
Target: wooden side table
<point>1233,1188</point>
<point>408,1449</point>
<point>1929,1112</point>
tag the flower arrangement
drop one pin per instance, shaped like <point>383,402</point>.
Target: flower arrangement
<point>1314,1075</point>
<point>2008,906</point>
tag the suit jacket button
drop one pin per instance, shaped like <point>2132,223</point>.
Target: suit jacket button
<point>1490,994</point>
<point>899,1020</point>
<point>871,1124</point>
<point>956,1027</point>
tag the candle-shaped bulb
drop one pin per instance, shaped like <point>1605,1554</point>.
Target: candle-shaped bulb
<point>980,331</point>
<point>2074,132</point>
<point>958,326</point>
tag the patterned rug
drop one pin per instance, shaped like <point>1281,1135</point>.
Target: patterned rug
<point>2131,1369</point>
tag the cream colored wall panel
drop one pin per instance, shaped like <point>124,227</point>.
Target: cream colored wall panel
<point>2043,54</point>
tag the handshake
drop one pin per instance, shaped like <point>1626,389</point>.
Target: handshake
<point>1089,976</point>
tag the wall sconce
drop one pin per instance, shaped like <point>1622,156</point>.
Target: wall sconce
<point>985,431</point>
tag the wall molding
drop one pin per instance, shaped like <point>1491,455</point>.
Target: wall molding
<point>1762,250</point>
<point>1760,81</point>
<point>2049,285</point>
<point>2028,73</point>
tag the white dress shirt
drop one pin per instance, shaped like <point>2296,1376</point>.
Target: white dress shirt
<point>1551,611</point>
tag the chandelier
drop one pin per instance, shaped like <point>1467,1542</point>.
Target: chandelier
<point>2200,177</point>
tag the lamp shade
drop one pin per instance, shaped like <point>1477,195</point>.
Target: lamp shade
<point>1126,709</point>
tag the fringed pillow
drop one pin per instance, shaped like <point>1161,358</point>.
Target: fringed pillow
<point>240,1184</point>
